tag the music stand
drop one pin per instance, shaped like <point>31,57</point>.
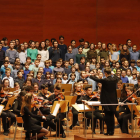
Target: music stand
<point>66,87</point>
<point>10,102</point>
<point>71,99</point>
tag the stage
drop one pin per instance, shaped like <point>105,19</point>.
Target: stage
<point>75,134</point>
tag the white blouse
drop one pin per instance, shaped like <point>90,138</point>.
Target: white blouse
<point>44,55</point>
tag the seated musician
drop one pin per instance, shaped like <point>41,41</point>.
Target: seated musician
<point>56,97</point>
<point>137,86</point>
<point>17,88</point>
<point>7,113</point>
<point>77,91</point>
<point>126,115</point>
<point>18,103</point>
<point>44,94</point>
<point>96,114</point>
<point>32,121</point>
<point>17,107</point>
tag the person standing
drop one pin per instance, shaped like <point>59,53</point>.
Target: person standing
<point>108,96</point>
<point>62,47</point>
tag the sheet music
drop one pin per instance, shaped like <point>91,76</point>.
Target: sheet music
<point>1,108</point>
<point>93,102</point>
<point>56,109</point>
<point>82,106</point>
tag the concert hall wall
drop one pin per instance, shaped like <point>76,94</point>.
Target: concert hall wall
<point>94,20</point>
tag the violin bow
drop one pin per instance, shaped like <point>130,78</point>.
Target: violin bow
<point>130,96</point>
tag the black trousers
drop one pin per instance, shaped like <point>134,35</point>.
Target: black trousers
<point>6,124</point>
<point>109,120</point>
<point>60,116</point>
<point>75,116</point>
<point>96,115</point>
<point>45,111</point>
<point>123,121</point>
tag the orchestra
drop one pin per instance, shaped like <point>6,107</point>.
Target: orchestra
<point>35,105</point>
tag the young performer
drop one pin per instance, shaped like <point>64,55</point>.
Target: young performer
<point>31,124</point>
<point>56,97</point>
<point>124,117</point>
<point>77,91</point>
<point>96,114</point>
<point>6,114</point>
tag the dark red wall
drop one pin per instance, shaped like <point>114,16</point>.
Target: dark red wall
<point>95,20</point>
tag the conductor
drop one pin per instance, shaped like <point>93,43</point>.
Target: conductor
<point>108,96</point>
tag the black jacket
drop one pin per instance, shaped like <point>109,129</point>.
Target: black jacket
<point>108,93</point>
<point>20,81</point>
<point>137,87</point>
<point>2,55</point>
<point>87,98</point>
<point>53,98</point>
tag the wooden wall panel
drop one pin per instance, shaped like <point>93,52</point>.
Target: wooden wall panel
<point>118,21</point>
<point>74,19</point>
<point>95,20</point>
<point>21,19</point>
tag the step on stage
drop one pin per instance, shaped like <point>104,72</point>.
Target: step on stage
<point>119,136</point>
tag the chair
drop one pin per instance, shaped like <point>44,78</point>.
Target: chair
<point>66,87</point>
<point>136,118</point>
<point>84,85</point>
<point>128,84</point>
<point>118,93</point>
<point>20,120</point>
<point>138,99</point>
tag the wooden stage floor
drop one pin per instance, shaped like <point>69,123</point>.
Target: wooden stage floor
<point>75,134</point>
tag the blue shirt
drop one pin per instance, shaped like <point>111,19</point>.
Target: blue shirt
<point>25,74</point>
<point>3,70</point>
<point>92,82</point>
<point>5,48</point>
<point>124,79</point>
<point>138,68</point>
<point>70,55</point>
<point>134,55</point>
<point>47,70</point>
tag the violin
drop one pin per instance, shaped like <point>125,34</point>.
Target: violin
<point>131,97</point>
<point>80,92</point>
<point>48,94</point>
<point>60,96</point>
<point>94,95</point>
<point>8,94</point>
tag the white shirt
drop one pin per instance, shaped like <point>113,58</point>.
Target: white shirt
<point>44,55</point>
<point>11,81</point>
<point>64,81</point>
